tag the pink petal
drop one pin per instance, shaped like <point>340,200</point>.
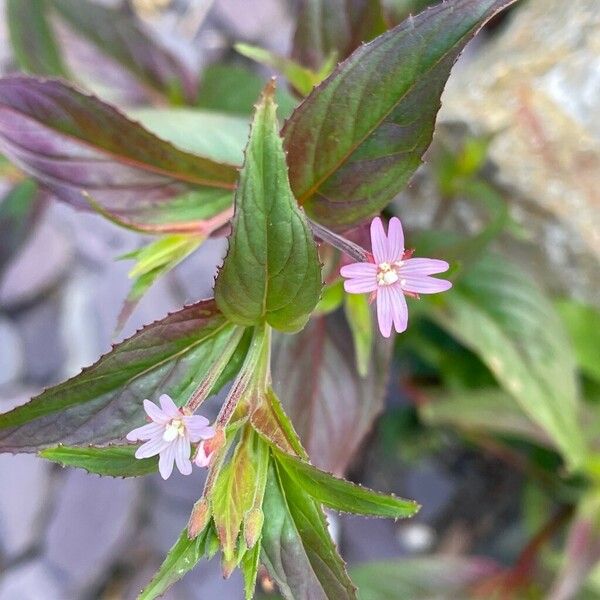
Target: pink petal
<point>198,428</point>
<point>202,459</point>
<point>146,432</point>
<point>385,315</point>
<point>399,308</point>
<point>423,266</point>
<point>379,242</point>
<point>362,269</point>
<point>157,415</point>
<point>182,455</point>
<point>424,284</point>
<point>169,407</point>
<point>395,240</point>
<point>151,448</point>
<point>360,285</point>
<point>166,460</point>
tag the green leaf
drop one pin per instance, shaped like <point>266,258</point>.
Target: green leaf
<point>220,137</point>
<point>121,37</point>
<point>154,261</point>
<point>422,578</point>
<point>332,298</point>
<point>19,210</point>
<point>583,324</point>
<point>351,150</point>
<point>301,78</point>
<point>330,405</point>
<point>271,272</point>
<point>343,495</point>
<point>485,410</point>
<point>249,566</point>
<point>501,315</point>
<point>219,79</point>
<point>104,402</point>
<point>334,27</point>
<point>32,38</point>
<point>113,461</point>
<point>398,10</point>
<point>181,559</point>
<point>233,495</point>
<point>269,419</point>
<point>78,145</point>
<point>360,320</point>
<point>296,547</point>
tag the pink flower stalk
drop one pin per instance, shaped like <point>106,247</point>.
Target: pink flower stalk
<point>170,435</point>
<point>392,275</point>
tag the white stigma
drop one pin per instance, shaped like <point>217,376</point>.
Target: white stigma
<point>174,429</point>
<point>386,274</point>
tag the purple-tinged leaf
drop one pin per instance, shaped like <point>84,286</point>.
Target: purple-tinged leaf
<point>20,208</point>
<point>104,402</point>
<point>73,143</point>
<point>122,37</point>
<point>327,27</point>
<point>331,406</point>
<point>582,552</point>
<point>296,547</point>
<point>358,137</point>
<point>32,38</point>
<point>422,578</point>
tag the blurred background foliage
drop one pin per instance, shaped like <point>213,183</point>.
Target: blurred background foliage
<point>490,417</point>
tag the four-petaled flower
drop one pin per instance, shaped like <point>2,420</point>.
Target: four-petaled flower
<point>392,275</point>
<point>170,435</point>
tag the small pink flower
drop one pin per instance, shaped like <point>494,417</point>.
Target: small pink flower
<point>392,275</point>
<point>170,435</point>
<point>202,459</point>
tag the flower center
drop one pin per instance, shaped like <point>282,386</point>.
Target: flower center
<point>387,274</point>
<point>176,428</point>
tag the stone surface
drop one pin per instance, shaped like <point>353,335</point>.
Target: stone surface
<point>34,580</point>
<point>43,347</point>
<point>92,522</point>
<point>536,88</point>
<point>37,267</point>
<point>11,353</point>
<point>24,480</point>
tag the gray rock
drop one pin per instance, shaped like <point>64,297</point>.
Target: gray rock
<point>431,487</point>
<point>11,353</point>
<point>34,580</point>
<point>537,89</point>
<point>13,397</point>
<point>25,486</point>
<point>368,539</point>
<point>196,275</point>
<point>94,519</point>
<point>39,265</point>
<point>43,347</point>
<point>268,21</point>
<point>206,581</point>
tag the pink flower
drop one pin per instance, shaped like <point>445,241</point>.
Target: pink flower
<point>170,435</point>
<point>202,459</point>
<point>392,275</point>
